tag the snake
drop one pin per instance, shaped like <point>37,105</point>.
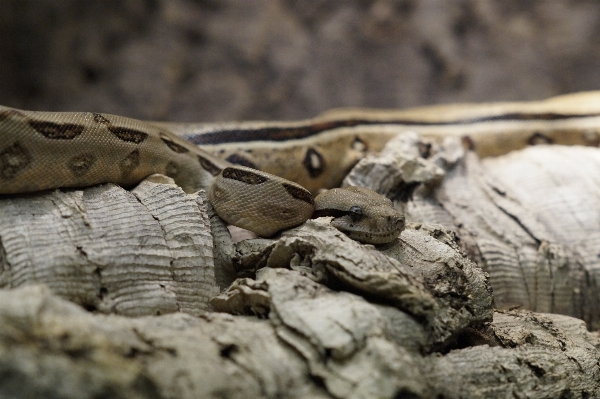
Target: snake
<point>262,175</point>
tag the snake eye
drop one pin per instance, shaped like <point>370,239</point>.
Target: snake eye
<point>355,213</point>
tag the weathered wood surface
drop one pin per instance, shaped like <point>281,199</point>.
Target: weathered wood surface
<point>538,356</point>
<point>313,314</point>
<point>531,219</point>
<point>423,274</point>
<point>148,251</point>
<point>317,343</point>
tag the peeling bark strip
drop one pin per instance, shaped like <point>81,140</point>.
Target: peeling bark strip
<point>13,159</point>
<point>126,134</point>
<point>518,224</point>
<point>57,131</point>
<point>208,166</point>
<point>178,148</point>
<point>81,164</point>
<point>244,176</point>
<point>299,193</point>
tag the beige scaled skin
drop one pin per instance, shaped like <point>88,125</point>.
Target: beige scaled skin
<point>259,202</point>
<point>282,162</point>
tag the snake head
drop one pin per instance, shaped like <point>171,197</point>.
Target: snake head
<point>361,214</point>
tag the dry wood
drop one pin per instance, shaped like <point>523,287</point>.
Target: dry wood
<point>148,251</point>
<point>422,273</point>
<point>531,219</point>
<point>316,315</point>
<point>538,356</point>
<point>317,343</point>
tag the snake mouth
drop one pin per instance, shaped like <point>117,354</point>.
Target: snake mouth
<point>370,237</point>
<point>370,233</point>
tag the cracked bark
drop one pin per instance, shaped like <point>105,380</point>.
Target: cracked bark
<point>530,219</point>
<point>143,252</point>
<point>314,314</point>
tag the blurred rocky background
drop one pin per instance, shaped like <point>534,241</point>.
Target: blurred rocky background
<point>209,60</point>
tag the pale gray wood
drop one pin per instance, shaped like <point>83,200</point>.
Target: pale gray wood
<point>317,343</point>
<point>423,273</point>
<point>318,315</point>
<point>52,348</point>
<point>531,219</point>
<point>539,356</point>
<point>143,252</point>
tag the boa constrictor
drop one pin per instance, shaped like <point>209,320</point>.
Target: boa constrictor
<point>261,175</point>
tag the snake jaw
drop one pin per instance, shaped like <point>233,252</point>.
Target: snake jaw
<point>380,226</point>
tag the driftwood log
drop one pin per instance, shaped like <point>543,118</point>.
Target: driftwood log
<point>115,293</point>
<point>530,219</point>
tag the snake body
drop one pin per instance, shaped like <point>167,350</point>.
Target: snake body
<point>260,175</point>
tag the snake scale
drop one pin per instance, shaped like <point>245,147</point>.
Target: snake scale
<point>261,175</point>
